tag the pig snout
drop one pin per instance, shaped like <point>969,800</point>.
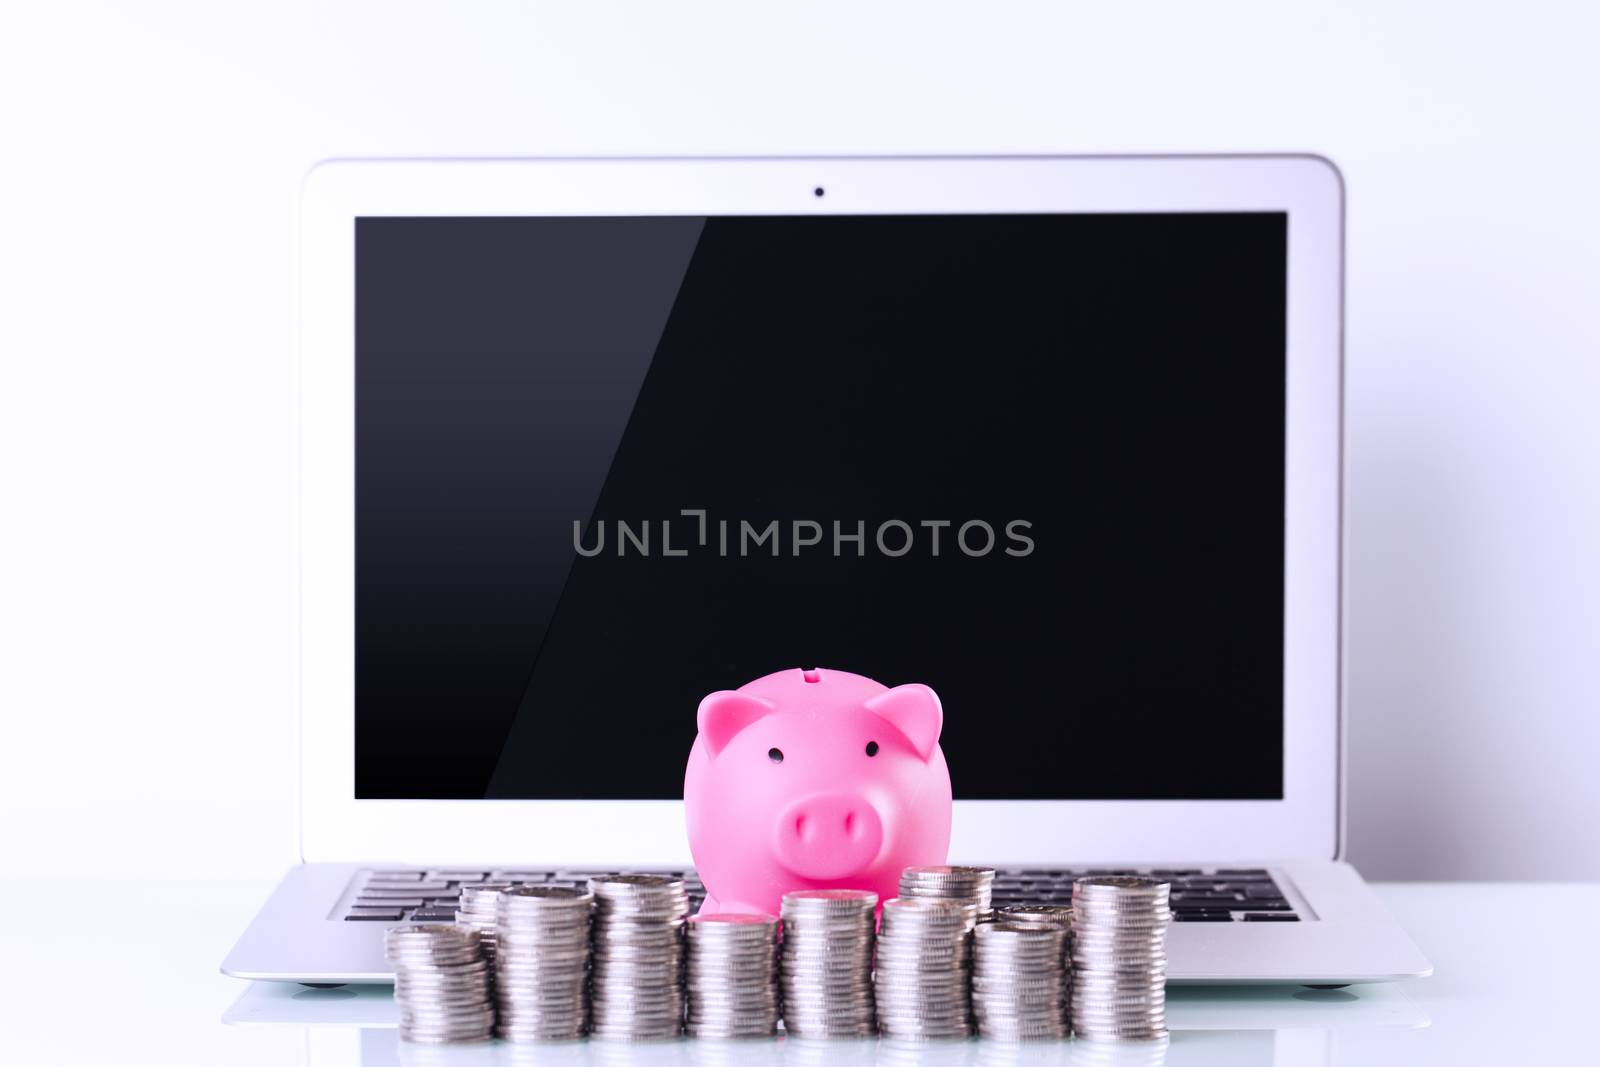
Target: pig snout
<point>828,836</point>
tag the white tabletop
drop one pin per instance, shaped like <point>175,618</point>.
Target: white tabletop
<point>141,986</point>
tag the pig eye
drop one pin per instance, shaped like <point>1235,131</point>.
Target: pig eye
<point>775,755</point>
<point>872,748</point>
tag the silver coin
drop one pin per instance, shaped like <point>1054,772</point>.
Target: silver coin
<point>484,894</point>
<point>1118,956</point>
<point>1112,998</point>
<point>948,873</point>
<point>637,966</point>
<point>411,951</point>
<point>825,963</point>
<point>830,898</point>
<point>440,996</point>
<point>541,897</point>
<point>475,973</point>
<point>974,884</point>
<point>1055,914</point>
<point>1117,1024</point>
<point>441,984</point>
<point>1145,1001</point>
<point>1110,935</point>
<point>542,960</point>
<point>920,983</point>
<point>1019,985</point>
<point>429,935</point>
<point>732,986</point>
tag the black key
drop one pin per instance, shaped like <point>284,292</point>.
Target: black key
<point>1174,874</point>
<point>1192,889</point>
<point>1262,891</point>
<point>1268,905</point>
<point>388,902</point>
<point>1273,917</point>
<point>1178,913</point>
<point>1242,870</point>
<point>434,915</point>
<point>1210,915</point>
<point>383,915</point>
<point>1194,899</point>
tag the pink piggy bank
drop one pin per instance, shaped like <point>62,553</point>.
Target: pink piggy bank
<point>810,779</point>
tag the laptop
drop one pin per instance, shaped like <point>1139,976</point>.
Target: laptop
<point>584,440</point>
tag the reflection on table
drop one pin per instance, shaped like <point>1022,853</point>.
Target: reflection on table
<point>1280,1026</point>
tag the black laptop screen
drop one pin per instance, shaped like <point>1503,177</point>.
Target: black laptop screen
<point>605,466</point>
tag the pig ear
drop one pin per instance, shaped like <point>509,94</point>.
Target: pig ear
<point>915,710</point>
<point>725,712</point>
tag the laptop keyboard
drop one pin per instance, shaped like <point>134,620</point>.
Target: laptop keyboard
<point>1198,895</point>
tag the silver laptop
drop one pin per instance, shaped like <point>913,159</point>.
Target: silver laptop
<point>584,440</point>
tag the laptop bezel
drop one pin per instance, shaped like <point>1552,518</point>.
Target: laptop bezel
<point>1307,823</point>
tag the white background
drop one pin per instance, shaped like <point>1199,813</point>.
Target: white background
<point>150,157</point>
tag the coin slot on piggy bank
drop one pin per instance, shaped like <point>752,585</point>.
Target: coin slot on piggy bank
<point>814,779</point>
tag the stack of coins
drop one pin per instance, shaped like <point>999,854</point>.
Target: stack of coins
<point>1119,958</point>
<point>975,884</point>
<point>1058,915</point>
<point>542,962</point>
<point>1018,987</point>
<point>638,956</point>
<point>923,978</point>
<point>826,963</point>
<point>1043,914</point>
<point>441,983</point>
<point>479,908</point>
<point>733,976</point>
